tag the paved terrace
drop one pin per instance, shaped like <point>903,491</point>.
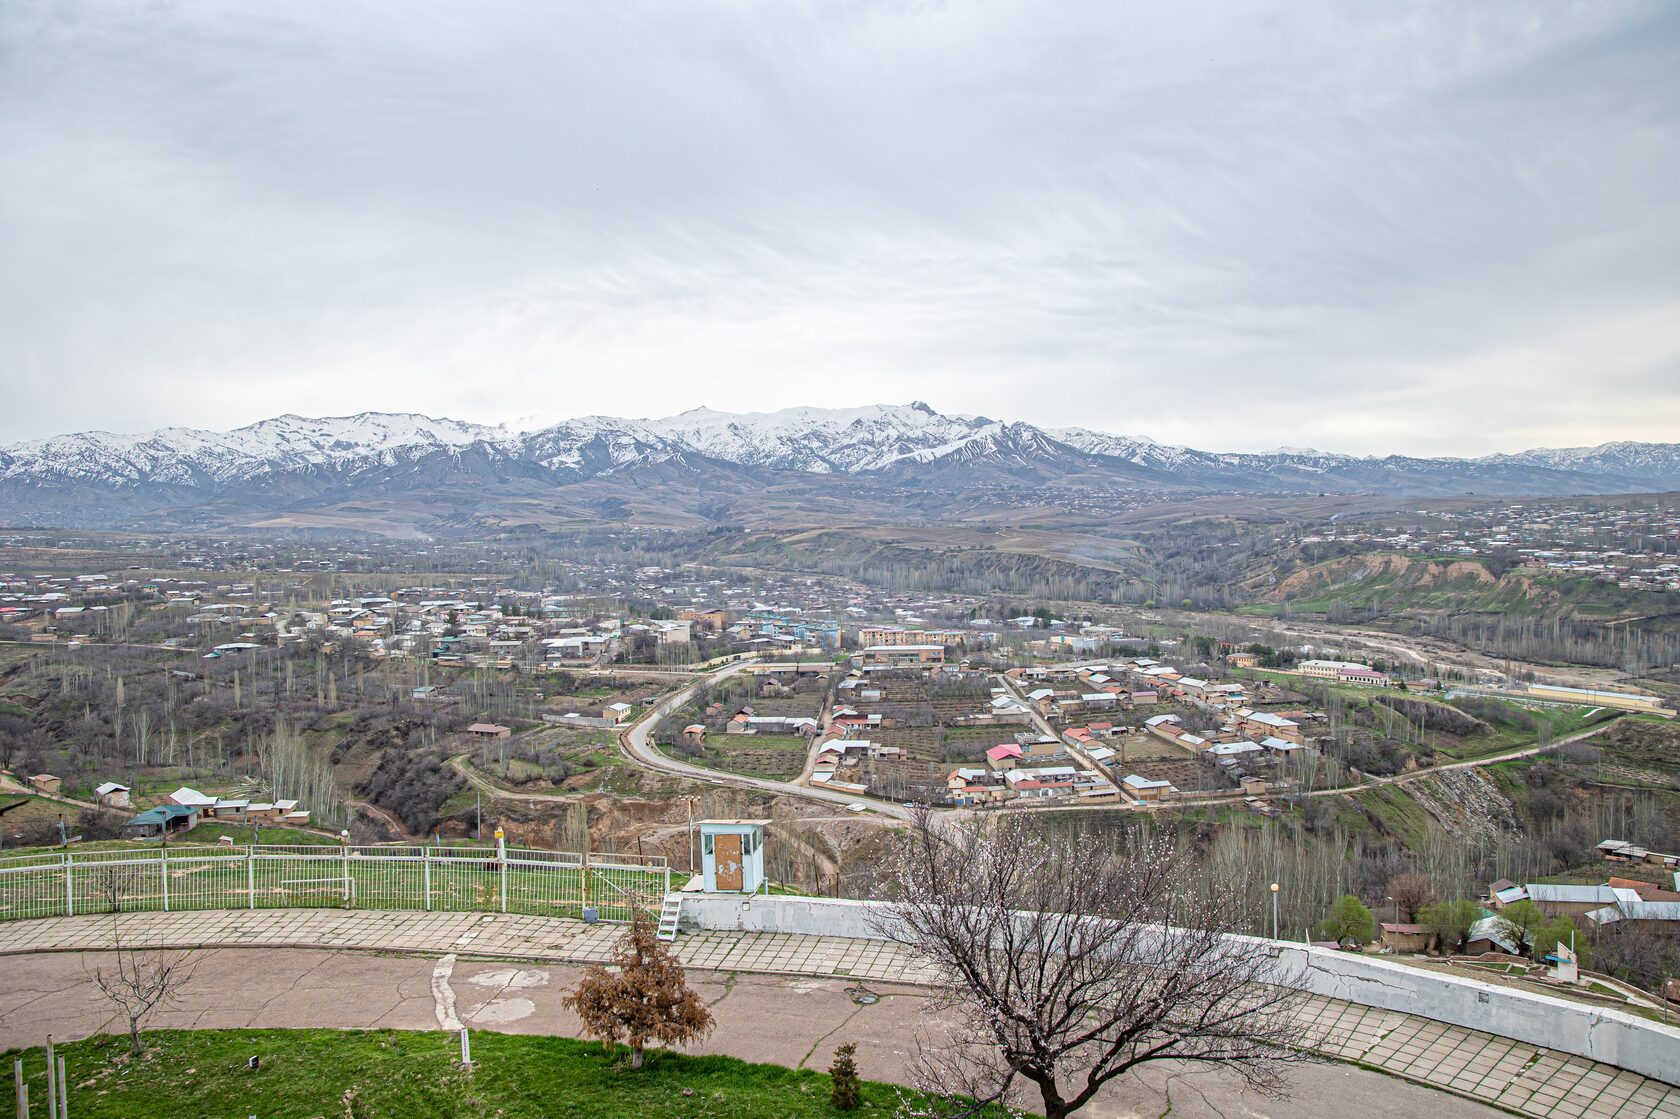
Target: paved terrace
<point>1511,1075</point>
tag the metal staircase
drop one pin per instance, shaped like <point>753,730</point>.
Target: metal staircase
<point>669,914</point>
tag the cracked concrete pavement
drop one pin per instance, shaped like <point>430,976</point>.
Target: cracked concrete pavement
<point>788,1020</point>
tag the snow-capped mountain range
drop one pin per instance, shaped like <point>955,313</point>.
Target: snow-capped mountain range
<point>95,477</point>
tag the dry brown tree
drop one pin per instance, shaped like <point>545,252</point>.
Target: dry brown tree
<point>1065,963</point>
<point>137,983</point>
<point>643,997</point>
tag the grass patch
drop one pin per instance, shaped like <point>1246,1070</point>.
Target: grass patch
<point>309,1073</point>
<point>1398,815</point>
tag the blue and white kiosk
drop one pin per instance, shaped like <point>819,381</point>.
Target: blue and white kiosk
<point>732,856</point>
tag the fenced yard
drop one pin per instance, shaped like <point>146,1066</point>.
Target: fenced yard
<point>446,879</point>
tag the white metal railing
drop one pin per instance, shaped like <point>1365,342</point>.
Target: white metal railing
<point>272,876</point>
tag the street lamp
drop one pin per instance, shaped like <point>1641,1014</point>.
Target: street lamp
<point>1274,911</point>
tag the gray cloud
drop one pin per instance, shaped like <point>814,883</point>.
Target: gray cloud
<point>1425,227</point>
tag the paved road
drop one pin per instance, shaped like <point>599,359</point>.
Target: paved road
<point>1078,755</point>
<point>637,744</point>
<point>788,1020</point>
<point>1474,763</point>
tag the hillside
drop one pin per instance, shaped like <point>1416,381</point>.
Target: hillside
<point>1387,585</point>
<point>406,473</point>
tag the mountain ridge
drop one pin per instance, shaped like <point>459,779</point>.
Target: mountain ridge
<point>96,478</point>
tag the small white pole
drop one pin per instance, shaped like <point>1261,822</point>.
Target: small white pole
<point>466,1049</point>
<point>426,867</point>
<point>20,1090</point>
<point>63,1092</point>
<point>501,857</point>
<point>251,877</point>
<point>163,875</point>
<point>52,1085</point>
<point>23,1102</point>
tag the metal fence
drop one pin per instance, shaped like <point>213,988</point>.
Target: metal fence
<point>270,876</point>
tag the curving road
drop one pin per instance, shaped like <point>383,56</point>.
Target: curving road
<point>637,744</point>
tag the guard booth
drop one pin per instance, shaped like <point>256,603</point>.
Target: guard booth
<point>732,856</point>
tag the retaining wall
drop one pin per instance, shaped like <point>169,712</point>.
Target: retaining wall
<point>1615,1037</point>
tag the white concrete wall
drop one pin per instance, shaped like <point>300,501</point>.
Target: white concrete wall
<point>1615,1037</point>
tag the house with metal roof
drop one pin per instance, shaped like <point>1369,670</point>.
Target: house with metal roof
<point>165,819</point>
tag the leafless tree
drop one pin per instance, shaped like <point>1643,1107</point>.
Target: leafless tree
<point>1064,963</point>
<point>137,983</point>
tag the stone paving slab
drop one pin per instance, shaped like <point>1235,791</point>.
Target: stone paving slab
<point>1514,1075</point>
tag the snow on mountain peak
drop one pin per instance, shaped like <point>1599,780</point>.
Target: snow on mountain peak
<point>853,440</point>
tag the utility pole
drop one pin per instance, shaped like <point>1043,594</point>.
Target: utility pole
<point>692,801</point>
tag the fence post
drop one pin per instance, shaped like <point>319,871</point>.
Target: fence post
<point>63,1093</point>
<point>251,876</point>
<point>20,1090</point>
<point>501,858</point>
<point>344,858</point>
<point>69,885</point>
<point>426,874</point>
<point>163,874</point>
<point>583,880</point>
<point>667,892</point>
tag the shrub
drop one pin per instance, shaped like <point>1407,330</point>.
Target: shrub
<point>843,1075</point>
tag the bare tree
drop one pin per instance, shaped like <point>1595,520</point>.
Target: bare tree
<point>1064,963</point>
<point>137,983</point>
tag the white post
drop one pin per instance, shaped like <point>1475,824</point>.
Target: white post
<point>63,1093</point>
<point>426,873</point>
<point>466,1049</point>
<point>69,886</point>
<point>501,857</point>
<point>163,876</point>
<point>52,1085</point>
<point>20,1090</point>
<point>251,877</point>
<point>344,858</point>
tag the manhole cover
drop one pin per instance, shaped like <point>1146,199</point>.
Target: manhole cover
<point>862,996</point>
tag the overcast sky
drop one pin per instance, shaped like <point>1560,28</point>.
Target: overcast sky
<point>1367,227</point>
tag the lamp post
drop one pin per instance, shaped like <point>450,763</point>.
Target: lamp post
<point>1274,910</point>
<point>344,861</point>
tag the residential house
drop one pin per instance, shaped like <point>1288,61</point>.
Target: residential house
<point>165,819</point>
<point>112,795</point>
<point>1008,755</point>
<point>1145,788</point>
<point>1404,937</point>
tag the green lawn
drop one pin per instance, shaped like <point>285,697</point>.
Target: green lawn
<point>206,833</point>
<point>387,1073</point>
<point>218,878</point>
